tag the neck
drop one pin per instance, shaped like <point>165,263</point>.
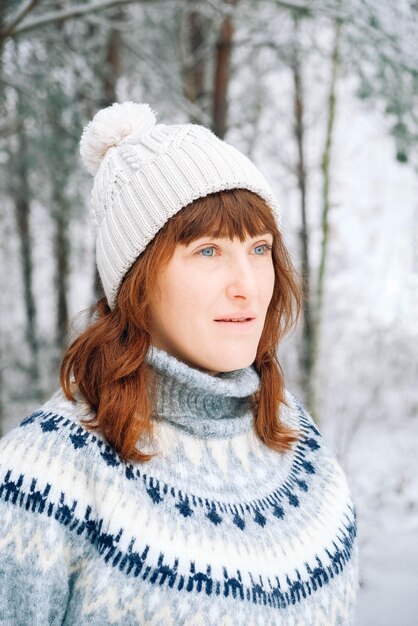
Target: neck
<point>199,403</point>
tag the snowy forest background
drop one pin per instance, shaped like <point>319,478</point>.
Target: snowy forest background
<point>323,96</point>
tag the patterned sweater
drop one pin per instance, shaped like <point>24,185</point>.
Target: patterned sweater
<point>217,529</point>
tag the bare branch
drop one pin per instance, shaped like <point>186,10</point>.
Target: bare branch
<point>27,7</point>
<point>77,10</point>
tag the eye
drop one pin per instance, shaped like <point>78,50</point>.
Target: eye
<point>264,247</point>
<point>204,250</point>
<point>209,249</point>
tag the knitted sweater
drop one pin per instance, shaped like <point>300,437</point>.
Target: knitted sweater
<point>216,529</point>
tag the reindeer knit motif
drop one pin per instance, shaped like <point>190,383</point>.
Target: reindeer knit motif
<point>216,529</point>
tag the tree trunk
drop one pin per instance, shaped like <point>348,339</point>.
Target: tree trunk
<point>2,3</point>
<point>61,253</point>
<point>113,63</point>
<point>222,74</point>
<point>193,49</point>
<point>299,130</point>
<point>325,168</point>
<point>194,70</point>
<point>2,411</point>
<point>21,195</point>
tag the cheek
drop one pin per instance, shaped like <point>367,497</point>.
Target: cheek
<point>180,299</point>
<point>267,285</point>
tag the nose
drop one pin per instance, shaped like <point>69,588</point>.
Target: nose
<point>242,280</point>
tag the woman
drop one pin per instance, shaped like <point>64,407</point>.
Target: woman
<point>173,479</point>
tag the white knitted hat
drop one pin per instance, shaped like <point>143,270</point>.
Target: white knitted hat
<point>145,173</point>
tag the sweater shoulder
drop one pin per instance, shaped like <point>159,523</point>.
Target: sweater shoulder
<point>294,414</point>
<point>311,440</point>
<point>51,464</point>
<point>52,441</point>
<point>47,421</point>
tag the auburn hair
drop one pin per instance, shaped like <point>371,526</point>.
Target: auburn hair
<point>107,365</point>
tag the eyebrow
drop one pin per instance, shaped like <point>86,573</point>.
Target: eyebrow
<point>229,239</point>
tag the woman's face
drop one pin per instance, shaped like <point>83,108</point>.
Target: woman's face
<point>205,282</point>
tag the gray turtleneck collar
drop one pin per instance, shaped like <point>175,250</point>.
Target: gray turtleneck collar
<point>200,404</point>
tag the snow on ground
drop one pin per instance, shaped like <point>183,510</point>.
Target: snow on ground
<point>382,470</point>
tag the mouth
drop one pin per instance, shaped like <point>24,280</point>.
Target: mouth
<point>243,322</point>
<point>237,320</point>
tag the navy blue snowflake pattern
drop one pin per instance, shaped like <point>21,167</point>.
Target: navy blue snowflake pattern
<point>162,571</point>
<point>287,495</point>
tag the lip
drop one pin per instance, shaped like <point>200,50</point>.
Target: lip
<point>233,316</point>
<point>237,326</point>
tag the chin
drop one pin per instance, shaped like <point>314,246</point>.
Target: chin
<point>229,364</point>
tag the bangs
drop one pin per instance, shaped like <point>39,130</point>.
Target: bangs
<point>231,214</point>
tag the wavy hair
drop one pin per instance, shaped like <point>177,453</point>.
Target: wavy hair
<point>106,362</point>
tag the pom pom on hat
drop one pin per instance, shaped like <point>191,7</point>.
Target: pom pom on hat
<point>109,127</point>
